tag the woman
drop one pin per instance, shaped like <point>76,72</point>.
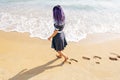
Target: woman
<point>58,38</point>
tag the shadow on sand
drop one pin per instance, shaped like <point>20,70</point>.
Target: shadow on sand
<point>27,74</point>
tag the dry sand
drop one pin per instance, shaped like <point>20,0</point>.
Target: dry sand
<point>25,58</point>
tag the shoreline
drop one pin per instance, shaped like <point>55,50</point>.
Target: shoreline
<point>26,58</point>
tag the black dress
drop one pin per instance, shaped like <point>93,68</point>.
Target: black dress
<point>59,42</point>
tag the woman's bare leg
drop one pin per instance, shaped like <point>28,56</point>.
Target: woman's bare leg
<point>61,54</point>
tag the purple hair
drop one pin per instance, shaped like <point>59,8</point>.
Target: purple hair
<point>58,15</point>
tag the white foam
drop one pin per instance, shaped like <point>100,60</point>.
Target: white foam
<point>76,28</point>
<point>81,20</point>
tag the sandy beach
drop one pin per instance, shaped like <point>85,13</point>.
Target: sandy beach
<point>26,58</point>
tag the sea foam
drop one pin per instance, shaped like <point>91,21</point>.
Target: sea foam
<point>82,18</point>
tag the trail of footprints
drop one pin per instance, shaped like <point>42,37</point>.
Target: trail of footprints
<point>97,58</point>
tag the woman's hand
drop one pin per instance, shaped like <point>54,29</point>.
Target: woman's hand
<point>54,33</point>
<point>49,38</point>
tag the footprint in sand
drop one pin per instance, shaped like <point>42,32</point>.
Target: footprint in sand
<point>68,62</point>
<point>113,58</point>
<point>97,62</point>
<point>71,59</point>
<point>115,54</point>
<point>86,58</point>
<point>97,57</point>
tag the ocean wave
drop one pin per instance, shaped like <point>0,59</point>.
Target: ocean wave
<point>76,28</point>
<point>82,17</point>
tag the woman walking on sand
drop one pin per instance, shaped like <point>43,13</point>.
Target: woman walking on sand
<point>58,37</point>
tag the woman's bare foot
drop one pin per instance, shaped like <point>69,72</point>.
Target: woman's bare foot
<point>66,58</point>
<point>66,61</point>
<point>58,56</point>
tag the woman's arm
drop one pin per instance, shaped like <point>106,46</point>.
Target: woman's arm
<point>54,33</point>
